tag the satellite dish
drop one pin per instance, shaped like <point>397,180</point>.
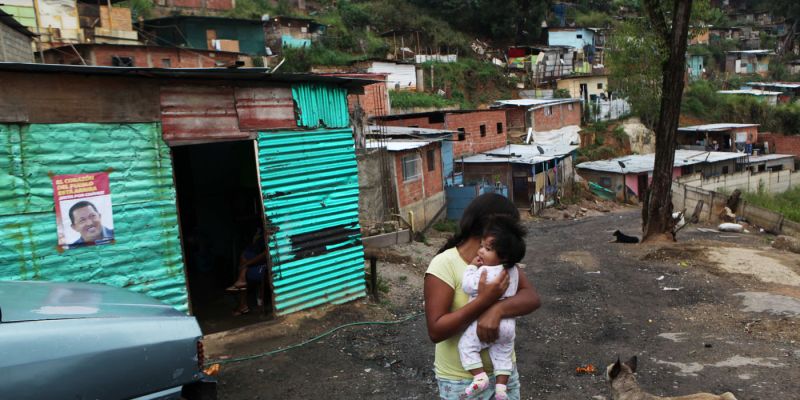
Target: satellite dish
<point>621,164</point>
<point>541,150</point>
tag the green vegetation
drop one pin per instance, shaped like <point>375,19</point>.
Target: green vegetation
<point>301,60</point>
<point>405,99</point>
<point>784,203</point>
<point>607,144</point>
<point>701,100</point>
<point>561,94</point>
<point>446,225</point>
<point>470,82</point>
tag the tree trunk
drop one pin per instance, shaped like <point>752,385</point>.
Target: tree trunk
<point>658,222</point>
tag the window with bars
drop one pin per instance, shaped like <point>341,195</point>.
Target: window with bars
<point>411,167</point>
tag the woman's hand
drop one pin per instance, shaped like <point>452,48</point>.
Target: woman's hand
<point>489,325</point>
<point>493,290</point>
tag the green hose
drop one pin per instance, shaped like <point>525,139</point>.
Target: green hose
<point>315,338</point>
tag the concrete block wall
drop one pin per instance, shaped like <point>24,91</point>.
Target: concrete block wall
<point>770,182</point>
<point>14,46</point>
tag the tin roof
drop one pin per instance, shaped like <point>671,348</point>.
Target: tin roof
<point>638,163</point>
<point>787,85</point>
<point>767,157</point>
<point>757,52</point>
<point>409,132</point>
<point>533,103</point>
<point>12,23</point>
<point>398,145</point>
<point>521,154</point>
<point>251,74</point>
<point>752,92</point>
<point>714,127</point>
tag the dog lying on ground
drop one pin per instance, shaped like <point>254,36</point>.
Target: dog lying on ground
<point>624,386</point>
<point>623,238</point>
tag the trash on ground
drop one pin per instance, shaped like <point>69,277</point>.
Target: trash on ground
<point>671,289</point>
<point>212,370</point>
<point>707,230</point>
<point>588,369</point>
<point>730,227</point>
<point>660,278</point>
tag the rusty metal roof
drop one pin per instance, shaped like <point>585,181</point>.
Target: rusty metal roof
<point>238,74</point>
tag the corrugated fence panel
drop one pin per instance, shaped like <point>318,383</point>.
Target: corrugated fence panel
<point>146,255</point>
<point>321,106</point>
<point>265,108</point>
<point>310,185</point>
<point>199,113</point>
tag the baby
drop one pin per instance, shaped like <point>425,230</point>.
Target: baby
<point>502,247</point>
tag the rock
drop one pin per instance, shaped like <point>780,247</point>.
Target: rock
<point>787,243</point>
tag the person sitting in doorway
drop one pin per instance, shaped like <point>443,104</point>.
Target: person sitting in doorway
<point>252,266</point>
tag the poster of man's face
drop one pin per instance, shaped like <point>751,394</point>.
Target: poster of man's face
<point>89,221</point>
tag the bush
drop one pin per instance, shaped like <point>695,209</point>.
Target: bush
<point>784,203</point>
<point>405,99</point>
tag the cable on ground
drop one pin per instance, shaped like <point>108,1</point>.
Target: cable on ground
<point>314,339</point>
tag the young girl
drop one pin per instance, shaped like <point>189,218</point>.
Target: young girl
<point>502,247</point>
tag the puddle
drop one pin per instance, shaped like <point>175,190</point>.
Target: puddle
<point>691,369</point>
<point>754,262</point>
<point>771,303</point>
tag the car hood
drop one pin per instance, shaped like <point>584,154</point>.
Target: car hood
<point>33,301</point>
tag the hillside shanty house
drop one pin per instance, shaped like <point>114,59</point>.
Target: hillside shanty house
<point>745,62</point>
<point>788,91</point>
<point>718,137</point>
<point>533,174</point>
<point>15,40</point>
<point>207,32</point>
<point>543,120</point>
<point>291,32</point>
<point>477,130</point>
<point>196,161</point>
<point>546,64</point>
<point>627,177</point>
<point>766,96</point>
<point>416,173</point>
<point>585,87</point>
<point>582,39</point>
<point>400,75</point>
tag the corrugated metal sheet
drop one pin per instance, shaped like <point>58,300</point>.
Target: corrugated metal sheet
<point>146,256</point>
<point>197,113</point>
<point>321,106</point>
<point>310,186</point>
<point>265,108</point>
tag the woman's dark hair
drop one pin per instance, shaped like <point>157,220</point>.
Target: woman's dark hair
<point>509,239</point>
<point>477,214</point>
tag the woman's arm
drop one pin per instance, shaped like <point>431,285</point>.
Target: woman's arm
<point>443,324</point>
<point>524,302</point>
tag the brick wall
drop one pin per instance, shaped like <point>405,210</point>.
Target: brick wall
<point>516,118</point>
<point>374,101</point>
<point>781,144</point>
<point>409,192</point>
<point>419,122</point>
<point>14,46</point>
<point>560,116</point>
<point>474,142</point>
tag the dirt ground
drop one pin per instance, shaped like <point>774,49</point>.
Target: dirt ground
<point>713,312</point>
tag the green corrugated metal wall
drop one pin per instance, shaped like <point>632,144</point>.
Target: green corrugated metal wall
<point>146,256</point>
<point>310,185</point>
<point>321,106</point>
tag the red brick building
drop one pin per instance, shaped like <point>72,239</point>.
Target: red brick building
<point>375,99</point>
<point>417,175</point>
<point>781,144</point>
<point>117,55</point>
<point>540,114</point>
<point>478,130</point>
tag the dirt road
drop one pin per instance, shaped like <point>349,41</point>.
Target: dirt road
<point>705,314</point>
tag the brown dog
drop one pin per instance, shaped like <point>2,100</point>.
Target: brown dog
<point>622,378</point>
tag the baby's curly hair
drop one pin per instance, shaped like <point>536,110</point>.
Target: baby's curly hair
<point>509,239</point>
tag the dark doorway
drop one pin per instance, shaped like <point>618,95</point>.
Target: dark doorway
<point>220,211</point>
<point>520,189</point>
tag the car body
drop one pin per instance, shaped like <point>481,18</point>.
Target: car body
<point>92,341</point>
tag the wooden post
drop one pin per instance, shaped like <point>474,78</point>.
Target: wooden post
<point>373,271</point>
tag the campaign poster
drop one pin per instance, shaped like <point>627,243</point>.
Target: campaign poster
<point>83,210</point>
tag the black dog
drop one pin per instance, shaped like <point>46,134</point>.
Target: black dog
<point>623,238</point>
